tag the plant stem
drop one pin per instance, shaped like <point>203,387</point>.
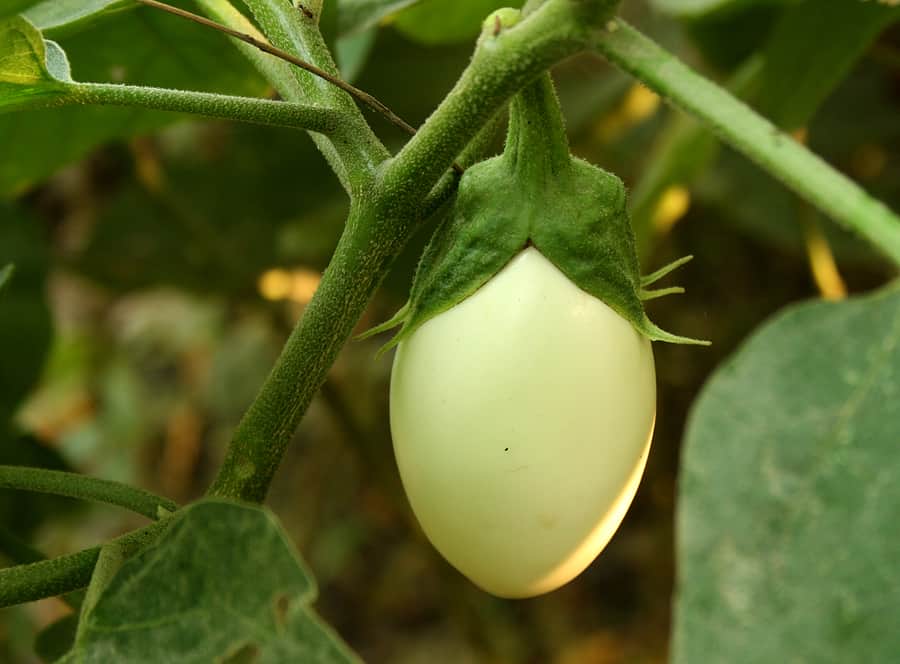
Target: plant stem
<point>243,109</point>
<point>502,65</point>
<point>355,153</point>
<point>58,576</point>
<point>22,553</point>
<point>737,124</point>
<point>86,488</point>
<point>265,47</point>
<point>381,221</point>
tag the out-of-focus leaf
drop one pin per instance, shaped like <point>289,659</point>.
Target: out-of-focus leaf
<point>446,21</point>
<point>222,581</point>
<point>358,15</point>
<point>144,47</point>
<point>812,48</point>
<point>13,7</point>
<point>55,640</point>
<point>352,52</point>
<point>743,195</point>
<point>22,512</point>
<point>25,324</point>
<point>6,274</point>
<point>700,8</point>
<point>24,76</point>
<point>60,16</point>
<point>729,38</point>
<point>788,499</point>
<point>219,234</point>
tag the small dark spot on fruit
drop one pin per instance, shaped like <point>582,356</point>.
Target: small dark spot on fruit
<point>506,449</point>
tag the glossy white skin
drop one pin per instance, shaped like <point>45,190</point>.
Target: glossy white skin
<point>522,420</point>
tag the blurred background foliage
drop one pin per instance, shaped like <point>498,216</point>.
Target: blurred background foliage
<point>161,262</point>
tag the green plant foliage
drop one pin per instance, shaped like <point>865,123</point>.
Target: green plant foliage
<point>124,47</point>
<point>61,16</point>
<point>24,75</point>
<point>358,15</point>
<point>25,324</point>
<point>787,538</point>
<point>223,579</point>
<point>188,231</point>
<point>571,211</point>
<point>353,51</point>
<point>812,48</point>
<point>447,21</point>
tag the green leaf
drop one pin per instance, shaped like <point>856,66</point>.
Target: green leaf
<point>143,47</point>
<point>25,325</point>
<point>787,518</point>
<point>446,21</point>
<point>358,15</point>
<point>188,231</point>
<point>353,51</point>
<point>61,16</point>
<point>223,580</point>
<point>24,76</point>
<point>55,640</point>
<point>13,7</point>
<point>812,48</point>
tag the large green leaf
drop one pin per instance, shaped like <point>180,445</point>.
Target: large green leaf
<point>812,47</point>
<point>142,47</point>
<point>222,583</point>
<point>23,65</point>
<point>447,21</point>
<point>788,498</point>
<point>357,15</point>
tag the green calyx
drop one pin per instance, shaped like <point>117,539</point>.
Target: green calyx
<point>535,193</point>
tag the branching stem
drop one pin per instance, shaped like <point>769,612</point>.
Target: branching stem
<point>360,95</point>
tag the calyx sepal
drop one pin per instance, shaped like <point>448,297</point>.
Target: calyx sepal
<point>535,193</point>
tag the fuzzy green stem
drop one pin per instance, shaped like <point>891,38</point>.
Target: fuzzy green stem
<point>744,129</point>
<point>225,107</point>
<point>380,226</point>
<point>58,576</point>
<point>86,488</point>
<point>502,65</point>
<point>537,141</point>
<point>22,553</point>
<point>355,152</point>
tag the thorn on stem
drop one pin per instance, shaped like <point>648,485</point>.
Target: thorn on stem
<point>498,26</point>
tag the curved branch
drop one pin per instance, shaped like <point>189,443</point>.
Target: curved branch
<point>743,128</point>
<point>86,488</point>
<point>211,105</point>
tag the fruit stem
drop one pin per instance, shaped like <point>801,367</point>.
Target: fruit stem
<point>536,144</point>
